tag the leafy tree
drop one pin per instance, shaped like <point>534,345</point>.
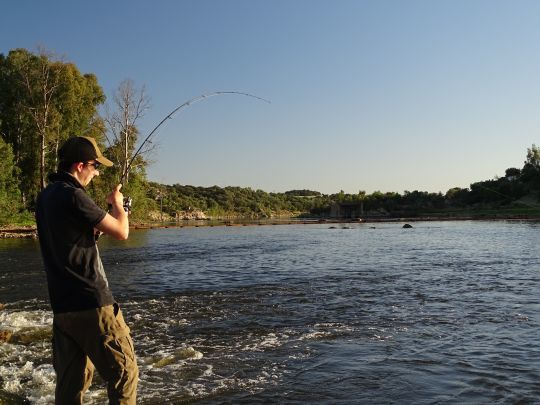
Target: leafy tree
<point>456,197</point>
<point>533,157</point>
<point>302,193</point>
<point>40,79</point>
<point>512,172</point>
<point>9,193</point>
<point>530,174</point>
<point>44,101</point>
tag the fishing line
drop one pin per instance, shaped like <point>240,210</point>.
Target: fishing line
<point>128,200</point>
<point>170,116</point>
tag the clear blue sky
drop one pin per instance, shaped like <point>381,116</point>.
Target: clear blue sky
<point>366,95</point>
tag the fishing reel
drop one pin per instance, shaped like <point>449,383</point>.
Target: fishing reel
<point>128,202</point>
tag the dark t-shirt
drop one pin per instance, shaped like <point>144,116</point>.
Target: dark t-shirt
<point>66,217</point>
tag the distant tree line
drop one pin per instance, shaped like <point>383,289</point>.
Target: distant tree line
<point>229,201</point>
<point>507,191</point>
<point>517,188</point>
<point>45,100</point>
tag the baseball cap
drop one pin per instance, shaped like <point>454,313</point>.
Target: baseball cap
<point>82,149</point>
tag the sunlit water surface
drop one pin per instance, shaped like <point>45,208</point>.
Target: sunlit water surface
<point>446,312</point>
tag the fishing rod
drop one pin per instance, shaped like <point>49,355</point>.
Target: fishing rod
<point>128,200</point>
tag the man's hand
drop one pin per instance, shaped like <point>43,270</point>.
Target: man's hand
<point>116,223</point>
<point>116,197</point>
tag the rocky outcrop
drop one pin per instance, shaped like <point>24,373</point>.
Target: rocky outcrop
<point>190,215</point>
<point>157,216</point>
<point>187,215</point>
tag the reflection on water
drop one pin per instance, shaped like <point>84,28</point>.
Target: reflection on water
<point>441,313</point>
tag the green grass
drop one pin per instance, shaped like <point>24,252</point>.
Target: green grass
<point>23,219</point>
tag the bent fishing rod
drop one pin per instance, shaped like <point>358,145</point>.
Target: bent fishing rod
<point>128,200</point>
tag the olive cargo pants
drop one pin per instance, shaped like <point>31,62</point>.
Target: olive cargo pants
<point>94,338</point>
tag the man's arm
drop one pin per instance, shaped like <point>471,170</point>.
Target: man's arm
<point>116,223</point>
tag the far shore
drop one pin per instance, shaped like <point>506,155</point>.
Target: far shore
<point>29,231</point>
<point>311,221</point>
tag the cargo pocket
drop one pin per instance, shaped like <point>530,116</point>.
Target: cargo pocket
<point>122,373</point>
<point>116,341</point>
<point>119,347</point>
<point>119,317</point>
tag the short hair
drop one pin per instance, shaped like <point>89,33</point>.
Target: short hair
<point>64,166</point>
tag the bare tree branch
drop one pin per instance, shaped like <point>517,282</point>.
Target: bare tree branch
<point>129,106</point>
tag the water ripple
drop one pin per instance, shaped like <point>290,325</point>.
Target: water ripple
<point>448,313</point>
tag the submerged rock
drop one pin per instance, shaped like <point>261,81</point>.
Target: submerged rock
<point>32,334</point>
<point>406,226</point>
<point>188,353</point>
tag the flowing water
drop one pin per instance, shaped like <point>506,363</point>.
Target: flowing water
<point>446,312</point>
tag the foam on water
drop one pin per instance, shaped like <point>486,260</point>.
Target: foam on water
<point>25,367</point>
<point>16,320</point>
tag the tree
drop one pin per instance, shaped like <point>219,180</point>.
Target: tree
<point>9,193</point>
<point>302,193</point>
<point>530,174</point>
<point>44,101</point>
<point>457,196</point>
<point>533,156</point>
<point>129,106</point>
<point>16,123</point>
<point>41,80</point>
<point>512,173</point>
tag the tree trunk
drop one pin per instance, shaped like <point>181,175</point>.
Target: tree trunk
<point>42,162</point>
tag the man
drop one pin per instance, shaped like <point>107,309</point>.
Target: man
<point>88,328</point>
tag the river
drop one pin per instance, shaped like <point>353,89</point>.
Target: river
<point>445,312</point>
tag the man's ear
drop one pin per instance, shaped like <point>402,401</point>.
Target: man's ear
<point>77,167</point>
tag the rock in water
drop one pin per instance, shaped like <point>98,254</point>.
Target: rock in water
<point>407,226</point>
<point>5,335</point>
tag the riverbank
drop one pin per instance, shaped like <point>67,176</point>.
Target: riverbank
<point>29,231</point>
<point>296,221</point>
<point>18,231</point>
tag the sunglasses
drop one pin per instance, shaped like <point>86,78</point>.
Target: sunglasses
<point>96,165</point>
